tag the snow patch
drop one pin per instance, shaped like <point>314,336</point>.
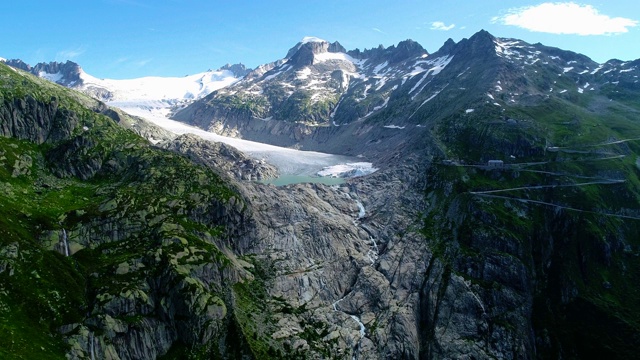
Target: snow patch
<point>533,62</point>
<point>394,127</point>
<point>366,92</point>
<point>431,97</point>
<point>326,56</point>
<point>304,73</point>
<point>269,77</point>
<point>469,111</point>
<point>438,65</point>
<point>51,77</point>
<point>567,69</point>
<point>504,47</point>
<point>386,101</point>
<point>380,83</point>
<point>379,68</point>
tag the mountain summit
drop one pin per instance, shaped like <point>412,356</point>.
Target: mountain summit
<point>303,54</point>
<point>66,74</point>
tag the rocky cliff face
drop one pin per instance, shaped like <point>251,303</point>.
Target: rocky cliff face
<point>66,74</point>
<point>239,70</point>
<point>221,158</point>
<point>344,271</point>
<point>150,234</point>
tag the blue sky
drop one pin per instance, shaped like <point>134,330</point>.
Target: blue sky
<point>133,38</point>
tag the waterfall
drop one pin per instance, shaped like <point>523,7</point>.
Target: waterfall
<point>362,328</point>
<point>475,296</point>
<point>356,348</point>
<point>92,346</point>
<point>373,252</point>
<point>375,245</point>
<point>65,243</point>
<point>361,213</point>
<point>336,303</point>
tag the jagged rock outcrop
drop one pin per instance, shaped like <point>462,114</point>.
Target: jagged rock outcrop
<point>222,158</point>
<point>65,74</point>
<point>314,46</point>
<point>36,121</point>
<point>140,126</point>
<point>237,69</point>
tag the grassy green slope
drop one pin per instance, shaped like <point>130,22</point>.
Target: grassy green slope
<point>98,176</point>
<point>578,242</point>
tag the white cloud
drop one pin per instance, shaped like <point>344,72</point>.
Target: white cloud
<point>130,63</point>
<point>439,25</point>
<point>565,18</point>
<point>70,54</point>
<point>141,63</point>
<point>379,31</point>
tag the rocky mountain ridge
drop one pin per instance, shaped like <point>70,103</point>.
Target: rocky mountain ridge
<point>375,94</point>
<point>169,90</point>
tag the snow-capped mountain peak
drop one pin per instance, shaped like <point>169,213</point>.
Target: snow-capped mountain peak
<point>189,87</point>
<point>150,92</point>
<point>321,83</point>
<point>162,91</point>
<point>308,39</point>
